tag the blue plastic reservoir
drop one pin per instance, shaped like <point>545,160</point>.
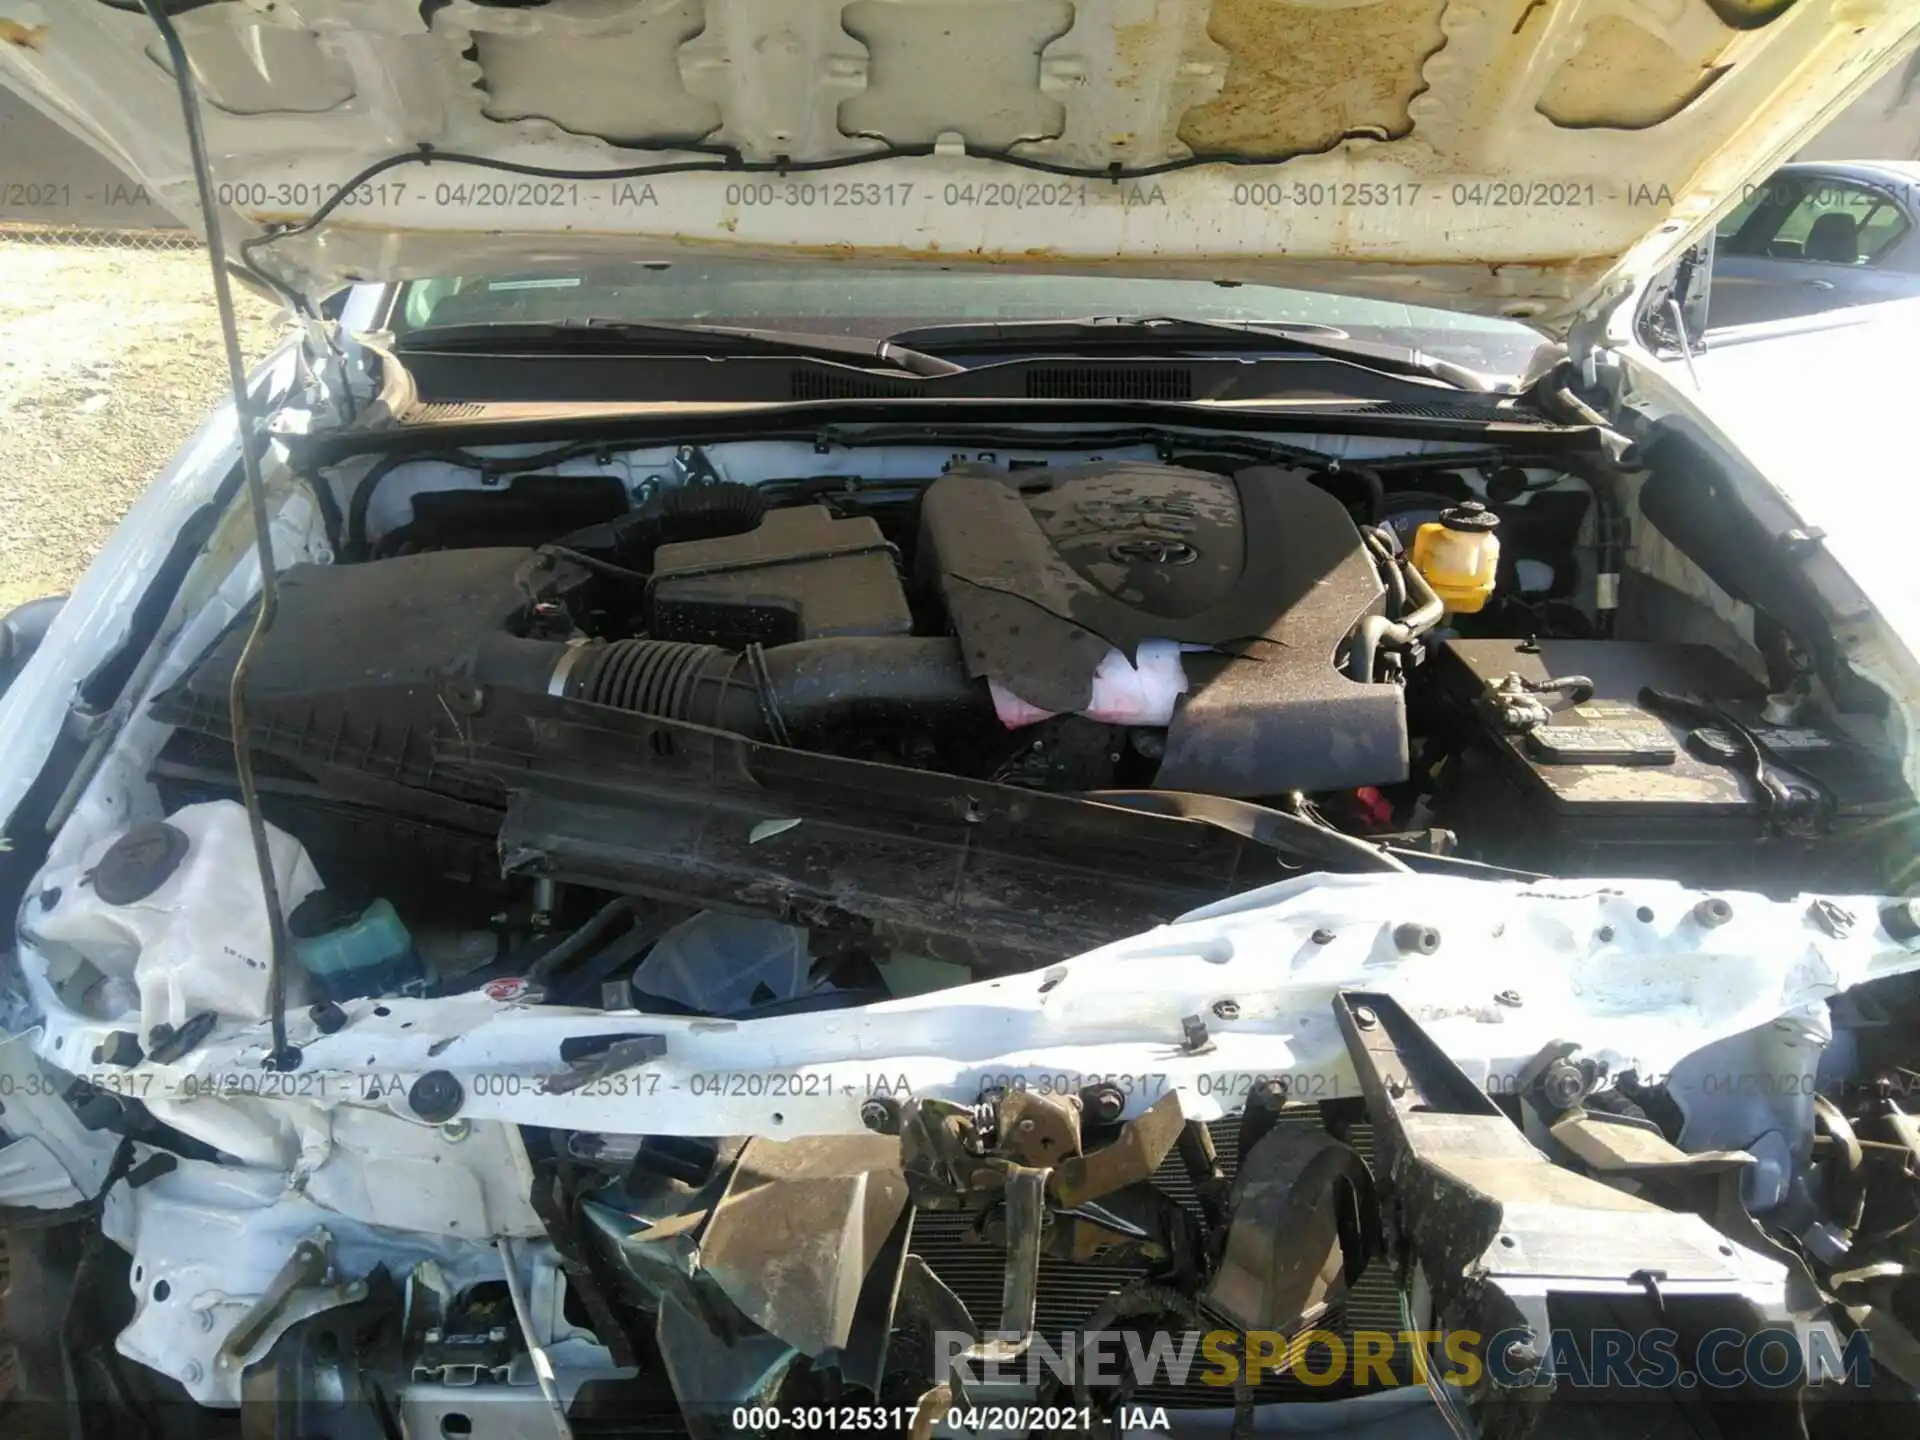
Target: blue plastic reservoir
<point>367,954</point>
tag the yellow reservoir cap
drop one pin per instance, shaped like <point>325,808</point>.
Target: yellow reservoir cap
<point>1458,555</point>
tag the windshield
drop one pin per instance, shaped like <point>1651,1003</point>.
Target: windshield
<point>844,300</point>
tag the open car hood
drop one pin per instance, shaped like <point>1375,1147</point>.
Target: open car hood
<point>1515,159</point>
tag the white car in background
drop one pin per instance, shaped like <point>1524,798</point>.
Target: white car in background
<point>895,697</point>
<point>1818,236</point>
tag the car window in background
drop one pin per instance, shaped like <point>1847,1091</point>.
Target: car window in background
<point>871,303</point>
<point>1880,231</point>
<point>1727,232</point>
<point>1841,223</point>
<point>1816,218</point>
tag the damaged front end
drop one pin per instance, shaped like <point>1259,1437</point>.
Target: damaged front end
<point>572,943</point>
<point>1447,1155</point>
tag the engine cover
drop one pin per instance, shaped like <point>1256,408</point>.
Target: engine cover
<point>1264,573</point>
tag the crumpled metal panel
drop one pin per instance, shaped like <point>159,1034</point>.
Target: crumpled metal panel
<point>1298,1239</point>
<point>802,1221</point>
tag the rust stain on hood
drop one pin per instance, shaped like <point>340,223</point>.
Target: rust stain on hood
<point>27,37</point>
<point>1304,76</point>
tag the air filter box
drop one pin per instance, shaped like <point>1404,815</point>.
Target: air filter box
<point>800,574</point>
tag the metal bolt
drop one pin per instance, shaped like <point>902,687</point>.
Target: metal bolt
<point>1509,998</point>
<point>1416,939</point>
<point>1563,1083</point>
<point>1365,1018</point>
<point>191,1373</point>
<point>467,699</point>
<point>1025,1127</point>
<point>1227,1009</point>
<point>1713,911</point>
<point>1605,933</point>
<point>1322,936</point>
<point>454,1131</point>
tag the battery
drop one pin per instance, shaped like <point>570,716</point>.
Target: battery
<point>1608,784</point>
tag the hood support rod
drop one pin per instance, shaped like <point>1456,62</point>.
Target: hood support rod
<point>283,1056</point>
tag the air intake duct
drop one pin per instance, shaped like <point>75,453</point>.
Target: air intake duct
<point>693,512</point>
<point>799,692</point>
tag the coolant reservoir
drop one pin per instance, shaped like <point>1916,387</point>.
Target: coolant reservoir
<point>175,908</point>
<point>1458,555</point>
<point>351,946</point>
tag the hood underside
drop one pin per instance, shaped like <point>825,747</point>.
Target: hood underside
<point>1513,158</point>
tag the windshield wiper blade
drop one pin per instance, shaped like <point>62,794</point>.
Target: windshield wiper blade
<point>1163,334</point>
<point>625,337</point>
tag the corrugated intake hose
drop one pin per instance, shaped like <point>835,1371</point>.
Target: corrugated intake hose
<point>808,688</point>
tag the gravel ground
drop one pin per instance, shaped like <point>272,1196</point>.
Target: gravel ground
<point>110,357</point>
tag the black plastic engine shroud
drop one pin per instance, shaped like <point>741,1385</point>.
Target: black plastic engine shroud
<point>1044,571</point>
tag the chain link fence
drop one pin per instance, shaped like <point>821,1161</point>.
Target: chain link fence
<point>97,237</point>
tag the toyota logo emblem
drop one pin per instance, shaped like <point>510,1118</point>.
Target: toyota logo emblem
<point>1149,550</point>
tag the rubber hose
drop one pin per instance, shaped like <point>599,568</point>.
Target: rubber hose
<point>596,927</point>
<point>808,688</point>
<point>692,512</point>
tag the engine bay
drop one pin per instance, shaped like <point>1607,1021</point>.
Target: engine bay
<point>1001,891</point>
<point>1001,712</point>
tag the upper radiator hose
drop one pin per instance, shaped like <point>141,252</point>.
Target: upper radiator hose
<point>790,692</point>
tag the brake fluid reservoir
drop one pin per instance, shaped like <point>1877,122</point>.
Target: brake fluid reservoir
<point>1458,555</point>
